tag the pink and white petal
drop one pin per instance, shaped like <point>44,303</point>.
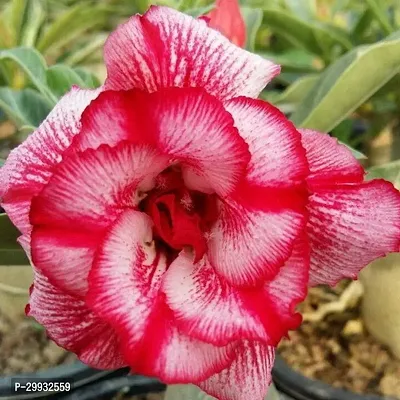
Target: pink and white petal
<point>65,256</point>
<point>289,288</point>
<point>255,235</point>
<point>278,158</point>
<point>168,354</point>
<point>248,377</point>
<point>349,227</point>
<point>89,190</point>
<point>165,48</point>
<point>195,129</point>
<point>126,275</point>
<point>114,117</point>
<point>124,289</point>
<point>260,222</point>
<point>179,121</point>
<point>329,161</point>
<point>29,166</point>
<point>208,308</point>
<point>350,223</point>
<point>73,326</point>
<point>25,242</point>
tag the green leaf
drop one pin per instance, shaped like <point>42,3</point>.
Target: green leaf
<point>391,87</point>
<point>37,326</point>
<point>24,132</point>
<point>90,80</point>
<point>270,95</point>
<point>34,65</point>
<point>288,78</point>
<point>6,77</point>
<point>317,39</point>
<point>390,172</point>
<point>71,24</point>
<point>344,131</point>
<point>294,59</point>
<point>339,6</point>
<point>378,10</point>
<point>60,79</point>
<point>11,252</point>
<point>2,162</point>
<point>357,154</point>
<point>362,25</point>
<point>141,5</point>
<point>184,5</point>
<point>18,8</point>
<point>79,56</point>
<point>305,9</point>
<point>298,90</point>
<point>384,105</point>
<point>8,233</point>
<point>253,18</point>
<point>199,11</point>
<point>13,257</point>
<point>26,129</point>
<point>24,107</point>
<point>6,34</point>
<point>337,33</point>
<point>299,33</point>
<point>348,83</point>
<point>33,22</point>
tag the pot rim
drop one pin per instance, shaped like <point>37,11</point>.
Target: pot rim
<point>300,387</point>
<point>129,385</point>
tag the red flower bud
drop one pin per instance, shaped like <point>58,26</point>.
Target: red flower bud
<point>227,18</point>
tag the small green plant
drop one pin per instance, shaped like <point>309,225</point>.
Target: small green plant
<point>33,35</point>
<point>327,47</point>
<point>28,106</point>
<point>57,33</point>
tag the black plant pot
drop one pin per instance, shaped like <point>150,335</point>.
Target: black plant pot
<point>299,387</point>
<point>128,386</point>
<point>77,374</point>
<point>107,389</point>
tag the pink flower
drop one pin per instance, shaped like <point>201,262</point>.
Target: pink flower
<point>175,222</point>
<point>227,18</point>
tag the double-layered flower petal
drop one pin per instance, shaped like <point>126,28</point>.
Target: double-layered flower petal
<point>165,48</point>
<point>351,222</point>
<point>175,222</point>
<point>72,325</point>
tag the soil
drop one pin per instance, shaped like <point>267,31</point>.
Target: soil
<point>24,348</point>
<point>339,351</point>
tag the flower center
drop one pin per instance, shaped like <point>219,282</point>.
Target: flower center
<point>181,217</point>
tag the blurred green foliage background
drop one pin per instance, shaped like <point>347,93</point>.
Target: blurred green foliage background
<point>340,59</point>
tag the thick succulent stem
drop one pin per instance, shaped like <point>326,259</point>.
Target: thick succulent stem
<point>381,279</point>
<point>380,305</point>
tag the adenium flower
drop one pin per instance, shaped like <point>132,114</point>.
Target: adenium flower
<point>227,18</point>
<point>174,221</point>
